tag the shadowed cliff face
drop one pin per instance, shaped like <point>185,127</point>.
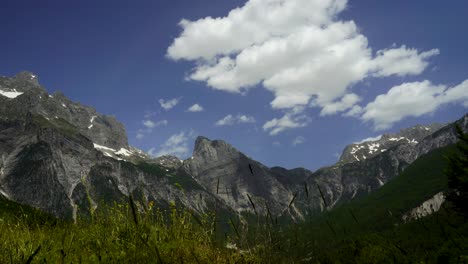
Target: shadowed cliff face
<point>344,181</point>
<point>101,129</point>
<point>62,173</point>
<point>233,177</point>
<point>49,158</point>
<point>65,158</point>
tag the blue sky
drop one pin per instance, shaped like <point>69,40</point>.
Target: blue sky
<point>300,80</point>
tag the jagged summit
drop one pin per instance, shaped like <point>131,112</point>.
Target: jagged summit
<point>68,152</point>
<point>370,148</point>
<point>22,94</point>
<point>206,149</point>
<point>26,76</point>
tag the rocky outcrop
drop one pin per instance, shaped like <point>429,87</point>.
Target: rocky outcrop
<point>428,207</point>
<point>242,183</point>
<point>368,149</point>
<point>51,157</point>
<point>233,177</point>
<point>344,181</point>
<point>32,98</point>
<point>65,158</point>
<point>62,173</point>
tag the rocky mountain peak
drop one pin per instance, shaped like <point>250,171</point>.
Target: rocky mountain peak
<point>209,150</point>
<point>26,76</point>
<point>168,161</point>
<point>21,95</point>
<point>366,149</point>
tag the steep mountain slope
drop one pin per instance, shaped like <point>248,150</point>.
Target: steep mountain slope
<point>27,96</point>
<point>235,178</point>
<point>344,181</point>
<point>420,182</point>
<point>369,149</point>
<point>376,228</point>
<point>51,160</point>
<point>66,159</point>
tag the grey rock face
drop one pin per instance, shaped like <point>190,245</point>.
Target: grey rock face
<point>368,149</point>
<point>344,181</point>
<point>101,129</point>
<point>65,158</point>
<point>225,171</point>
<point>168,161</point>
<point>233,177</point>
<point>57,172</point>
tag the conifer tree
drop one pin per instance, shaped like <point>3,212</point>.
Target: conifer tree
<point>457,173</point>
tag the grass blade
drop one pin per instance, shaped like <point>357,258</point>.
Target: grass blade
<point>252,203</point>
<point>30,259</point>
<point>132,206</point>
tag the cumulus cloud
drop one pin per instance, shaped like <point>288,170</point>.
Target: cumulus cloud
<point>195,108</point>
<point>149,126</point>
<point>140,135</point>
<point>411,99</point>
<point>168,104</point>
<point>290,120</point>
<point>369,139</point>
<point>401,61</point>
<point>176,145</point>
<point>347,102</point>
<point>297,49</point>
<point>298,140</point>
<point>152,124</point>
<point>149,123</point>
<point>230,120</point>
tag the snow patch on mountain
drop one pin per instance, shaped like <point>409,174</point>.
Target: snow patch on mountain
<point>119,154</point>
<point>397,139</point>
<point>99,147</point>
<point>91,121</point>
<point>373,148</point>
<point>12,94</point>
<point>124,152</point>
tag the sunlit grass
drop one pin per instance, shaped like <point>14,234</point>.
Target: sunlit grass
<point>117,235</point>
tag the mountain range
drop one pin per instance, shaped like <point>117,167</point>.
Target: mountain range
<point>67,159</point>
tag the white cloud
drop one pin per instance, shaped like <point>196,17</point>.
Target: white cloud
<point>297,49</point>
<point>290,120</point>
<point>355,111</point>
<point>412,99</point>
<point>162,123</point>
<point>276,143</point>
<point>168,104</point>
<point>151,124</point>
<point>347,102</point>
<point>230,120</point>
<point>140,135</point>
<point>195,108</point>
<point>298,140</point>
<point>245,119</point>
<point>226,121</point>
<point>401,61</point>
<point>369,139</point>
<point>176,145</point>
